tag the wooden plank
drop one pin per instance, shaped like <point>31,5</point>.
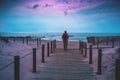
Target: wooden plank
<point>65,65</point>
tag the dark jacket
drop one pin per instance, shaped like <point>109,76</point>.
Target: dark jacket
<point>65,37</point>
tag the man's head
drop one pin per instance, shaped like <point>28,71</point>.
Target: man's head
<point>65,31</point>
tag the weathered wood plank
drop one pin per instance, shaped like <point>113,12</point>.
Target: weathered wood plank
<point>65,66</point>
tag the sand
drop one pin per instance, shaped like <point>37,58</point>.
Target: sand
<point>9,50</point>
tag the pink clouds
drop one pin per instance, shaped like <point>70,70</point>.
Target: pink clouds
<point>59,6</point>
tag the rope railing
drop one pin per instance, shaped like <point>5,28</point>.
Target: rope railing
<point>99,59</point>
<point>13,61</point>
<point>6,66</point>
<point>108,40</point>
<point>9,53</point>
<point>25,55</point>
<point>83,47</point>
<point>17,58</point>
<point>6,55</point>
<point>17,50</point>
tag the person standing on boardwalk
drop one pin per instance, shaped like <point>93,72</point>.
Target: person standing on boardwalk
<point>65,38</point>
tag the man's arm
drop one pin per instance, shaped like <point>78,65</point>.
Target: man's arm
<point>62,36</point>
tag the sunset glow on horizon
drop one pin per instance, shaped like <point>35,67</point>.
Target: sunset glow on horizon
<point>60,15</point>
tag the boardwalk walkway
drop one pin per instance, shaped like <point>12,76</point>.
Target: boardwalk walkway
<point>65,65</point>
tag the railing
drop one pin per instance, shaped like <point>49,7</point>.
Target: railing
<point>84,48</point>
<point>23,39</point>
<point>106,39</point>
<point>17,59</point>
<point>99,40</point>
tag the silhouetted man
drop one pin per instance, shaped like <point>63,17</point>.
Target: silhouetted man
<point>65,38</point>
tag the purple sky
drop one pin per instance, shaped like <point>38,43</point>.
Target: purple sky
<point>52,6</point>
<point>58,15</point>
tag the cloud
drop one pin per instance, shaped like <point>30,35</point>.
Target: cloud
<point>33,7</point>
<point>64,7</point>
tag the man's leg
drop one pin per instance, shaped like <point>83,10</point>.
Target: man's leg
<point>65,45</point>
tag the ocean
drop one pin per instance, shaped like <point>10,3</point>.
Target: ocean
<point>57,36</point>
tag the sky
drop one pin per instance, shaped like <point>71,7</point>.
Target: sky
<point>89,16</point>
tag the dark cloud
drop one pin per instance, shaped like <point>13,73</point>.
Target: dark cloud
<point>47,5</point>
<point>64,1</point>
<point>90,1</point>
<point>65,13</point>
<point>35,6</point>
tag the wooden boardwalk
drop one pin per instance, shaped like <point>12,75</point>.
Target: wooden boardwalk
<point>65,65</point>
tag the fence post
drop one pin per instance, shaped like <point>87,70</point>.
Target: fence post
<point>34,60</point>
<point>117,70</point>
<point>43,53</point>
<point>27,40</point>
<point>16,68</point>
<point>107,39</point>
<point>37,42</point>
<point>48,50</point>
<point>119,44</point>
<point>14,39</point>
<point>79,44</point>
<point>99,71</point>
<point>40,41</point>
<point>97,42</point>
<point>85,49</point>
<point>82,47</point>
<point>90,55</point>
<point>23,40</point>
<point>55,44</point>
<point>112,42</point>
<point>51,47</point>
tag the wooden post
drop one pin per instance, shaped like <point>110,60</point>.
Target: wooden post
<point>16,68</point>
<point>112,42</point>
<point>85,49</point>
<point>119,44</point>
<point>90,55</point>
<point>107,40</point>
<point>23,40</point>
<point>82,47</point>
<point>51,47</point>
<point>119,41</point>
<point>55,44</point>
<point>37,42</point>
<point>48,50</point>
<point>79,45</point>
<point>27,40</point>
<point>14,39</point>
<point>117,70</point>
<point>40,41</point>
<point>97,42</point>
<point>34,60</point>
<point>99,71</point>
<point>43,53</point>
